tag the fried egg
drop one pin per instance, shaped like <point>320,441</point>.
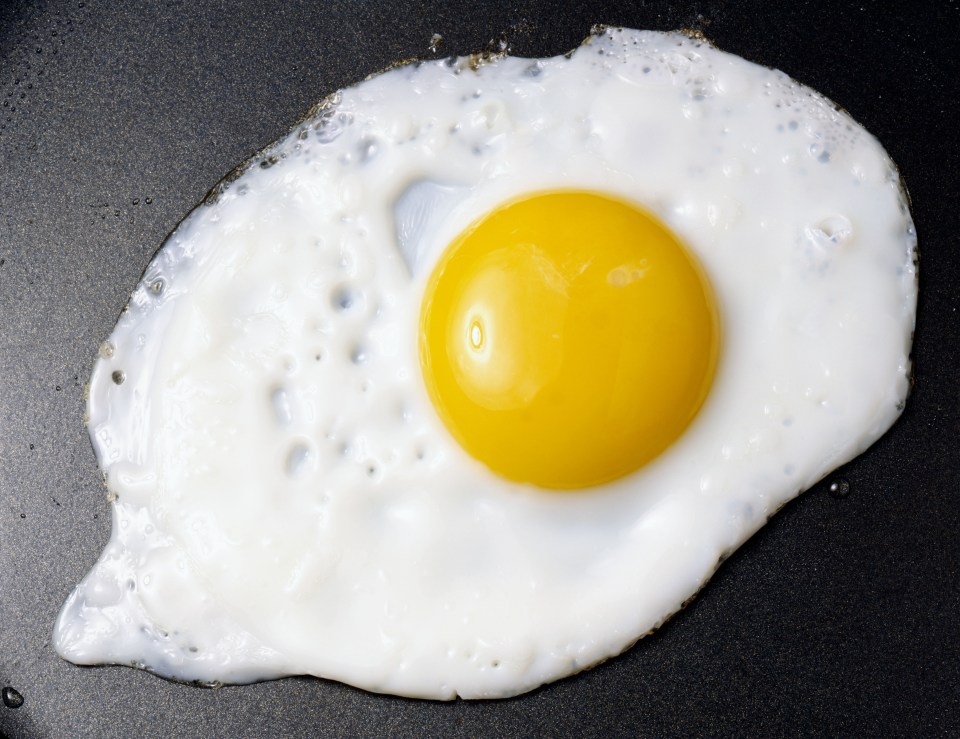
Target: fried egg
<point>473,378</point>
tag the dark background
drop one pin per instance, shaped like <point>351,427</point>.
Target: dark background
<point>839,617</point>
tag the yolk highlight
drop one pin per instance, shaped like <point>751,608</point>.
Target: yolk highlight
<point>567,338</point>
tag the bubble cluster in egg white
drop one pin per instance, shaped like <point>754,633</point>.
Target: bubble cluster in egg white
<point>286,500</point>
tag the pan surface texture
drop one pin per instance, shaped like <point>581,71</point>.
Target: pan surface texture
<point>840,616</point>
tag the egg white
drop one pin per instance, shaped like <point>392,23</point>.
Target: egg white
<point>286,500</point>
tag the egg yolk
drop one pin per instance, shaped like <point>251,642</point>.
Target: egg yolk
<point>567,338</point>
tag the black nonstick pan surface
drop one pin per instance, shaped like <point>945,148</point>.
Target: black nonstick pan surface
<point>840,617</point>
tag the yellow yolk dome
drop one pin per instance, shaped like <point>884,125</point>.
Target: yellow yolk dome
<point>567,338</point>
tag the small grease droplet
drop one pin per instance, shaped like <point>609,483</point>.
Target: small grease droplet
<point>298,459</point>
<point>368,149</point>
<point>840,489</point>
<point>359,355</point>
<point>344,298</point>
<point>12,697</point>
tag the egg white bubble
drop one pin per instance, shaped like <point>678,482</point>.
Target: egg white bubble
<point>287,500</point>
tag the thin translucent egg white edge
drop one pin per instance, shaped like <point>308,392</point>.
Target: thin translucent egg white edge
<point>260,657</point>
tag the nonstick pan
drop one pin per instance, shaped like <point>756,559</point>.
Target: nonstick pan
<point>839,617</point>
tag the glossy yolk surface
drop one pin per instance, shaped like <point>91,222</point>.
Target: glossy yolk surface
<point>567,338</point>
